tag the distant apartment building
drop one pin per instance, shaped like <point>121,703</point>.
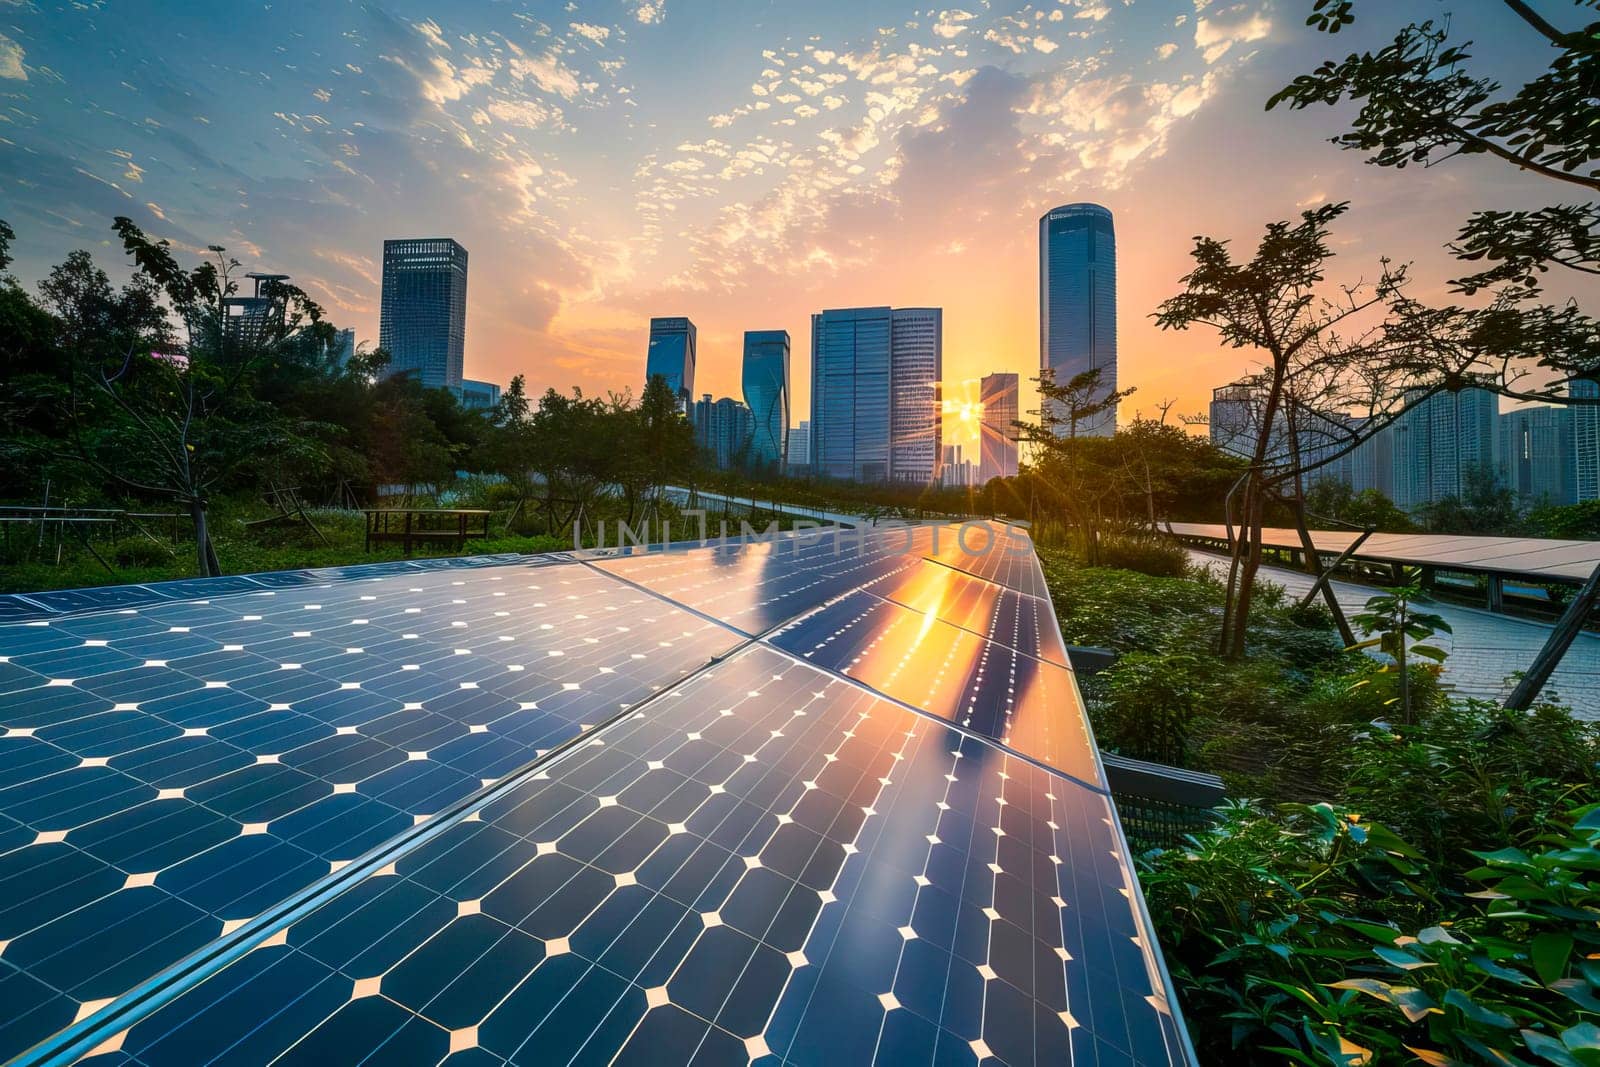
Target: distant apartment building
<point>343,349</point>
<point>1585,442</point>
<point>1370,465</point>
<point>766,393</point>
<point>997,440</point>
<point>422,320</point>
<point>875,393</point>
<point>671,354</point>
<point>723,429</point>
<point>1536,457</point>
<point>1238,411</point>
<point>1439,441</point>
<point>477,396</point>
<point>1078,300</point>
<point>955,472</point>
<point>800,445</point>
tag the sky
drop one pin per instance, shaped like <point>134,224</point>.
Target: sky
<point>742,162</point>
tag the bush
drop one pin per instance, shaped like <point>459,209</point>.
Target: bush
<point>141,552</point>
<point>1145,554</point>
<point>1315,936</point>
<point>1150,704</point>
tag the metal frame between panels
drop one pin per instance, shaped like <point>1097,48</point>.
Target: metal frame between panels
<point>792,594</point>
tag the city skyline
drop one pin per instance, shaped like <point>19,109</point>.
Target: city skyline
<point>597,185</point>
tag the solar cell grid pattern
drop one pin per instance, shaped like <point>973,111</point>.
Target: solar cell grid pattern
<point>169,771</point>
<point>766,863</point>
<point>810,803</point>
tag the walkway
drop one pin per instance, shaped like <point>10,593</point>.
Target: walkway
<point>1485,648</point>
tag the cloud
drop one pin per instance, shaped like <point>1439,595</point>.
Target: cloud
<point>597,34</point>
<point>11,55</point>
<point>650,11</point>
<point>952,23</point>
<point>1218,29</point>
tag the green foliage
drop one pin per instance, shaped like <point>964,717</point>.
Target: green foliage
<point>1570,522</point>
<point>1392,617</point>
<point>1148,555</point>
<point>1317,935</point>
<point>1150,704</point>
<point>1334,499</point>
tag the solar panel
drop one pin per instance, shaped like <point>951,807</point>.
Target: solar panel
<point>766,862</point>
<point>798,800</point>
<point>171,770</point>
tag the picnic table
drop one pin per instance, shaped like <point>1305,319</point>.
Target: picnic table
<point>409,526</point>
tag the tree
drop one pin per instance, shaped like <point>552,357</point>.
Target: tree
<point>160,417</point>
<point>1393,618</point>
<point>1311,373</point>
<point>1057,467</point>
<point>1421,104</point>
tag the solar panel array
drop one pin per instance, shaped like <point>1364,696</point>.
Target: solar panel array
<point>802,800</point>
<point>1529,557</point>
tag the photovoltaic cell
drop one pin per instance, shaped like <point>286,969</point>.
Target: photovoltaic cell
<point>857,816</point>
<point>172,770</point>
<point>1029,705</point>
<point>767,863</point>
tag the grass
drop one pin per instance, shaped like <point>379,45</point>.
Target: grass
<point>241,549</point>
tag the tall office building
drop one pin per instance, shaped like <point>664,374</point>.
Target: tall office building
<point>916,409</point>
<point>423,319</point>
<point>1536,459</point>
<point>724,429</point>
<point>766,392</point>
<point>1078,300</point>
<point>1440,441</point>
<point>1585,443</point>
<point>875,411</point>
<point>850,393</point>
<point>671,355</point>
<point>997,437</point>
<point>800,445</point>
<point>1370,465</point>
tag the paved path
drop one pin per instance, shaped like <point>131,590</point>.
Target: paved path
<point>1484,649</point>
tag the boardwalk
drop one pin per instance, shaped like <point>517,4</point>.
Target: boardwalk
<point>1485,648</point>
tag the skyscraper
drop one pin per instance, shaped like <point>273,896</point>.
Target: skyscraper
<point>1585,443</point>
<point>724,429</point>
<point>875,393</point>
<point>766,392</point>
<point>671,355</point>
<point>800,445</point>
<point>916,415</point>
<point>423,319</point>
<point>850,393</point>
<point>1078,300</point>
<point>997,437</point>
<point>1441,442</point>
<point>1536,460</point>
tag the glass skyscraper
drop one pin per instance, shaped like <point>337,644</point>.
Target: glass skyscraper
<point>422,322</point>
<point>1078,300</point>
<point>1439,440</point>
<point>875,381</point>
<point>916,416</point>
<point>671,355</point>
<point>997,440</point>
<point>850,393</point>
<point>1585,443</point>
<point>766,392</point>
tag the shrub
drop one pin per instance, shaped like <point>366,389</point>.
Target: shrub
<point>1315,936</point>
<point>140,552</point>
<point>1150,704</point>
<point>1145,554</point>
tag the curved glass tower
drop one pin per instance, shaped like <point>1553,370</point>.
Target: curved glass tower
<point>766,391</point>
<point>1078,300</point>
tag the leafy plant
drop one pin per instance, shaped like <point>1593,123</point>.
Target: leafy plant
<point>1391,616</point>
